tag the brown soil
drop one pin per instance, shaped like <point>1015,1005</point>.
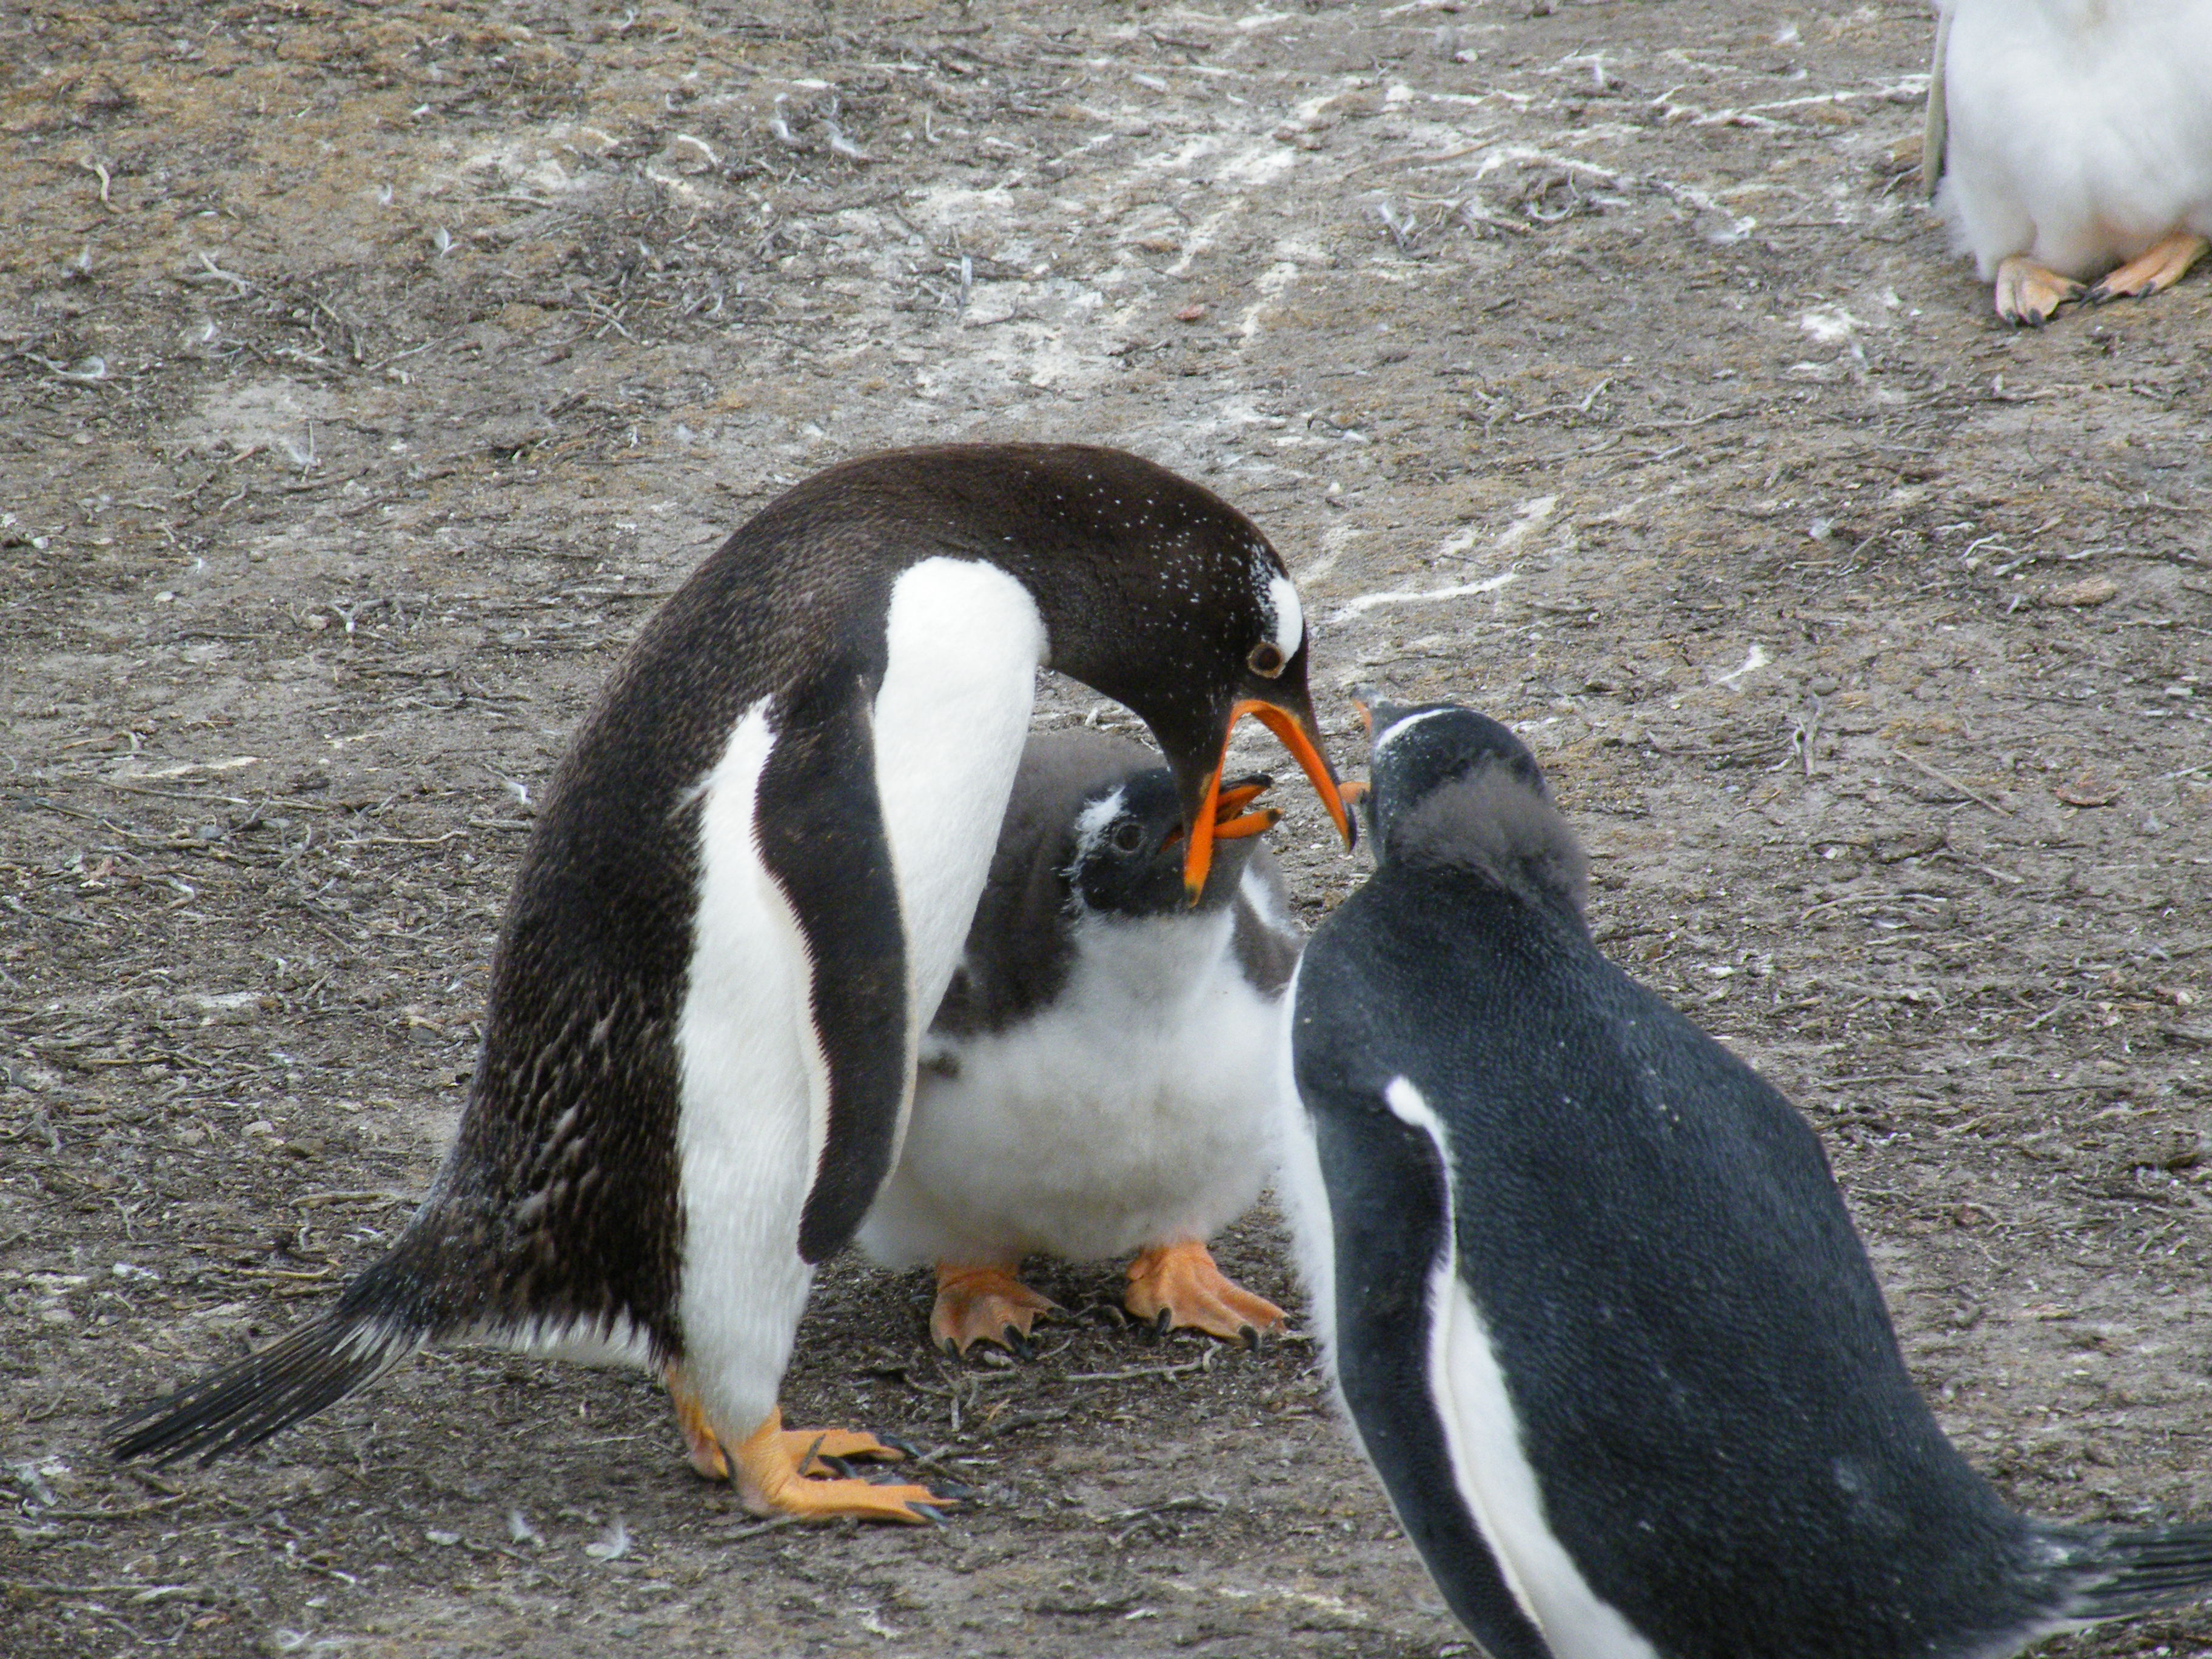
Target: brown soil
<point>368,369</point>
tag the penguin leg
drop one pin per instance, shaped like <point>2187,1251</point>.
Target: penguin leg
<point>2028,294</point>
<point>1178,1285</point>
<point>2161,266</point>
<point>985,1303</point>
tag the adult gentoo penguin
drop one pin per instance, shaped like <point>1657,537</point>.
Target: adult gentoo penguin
<point>748,886</point>
<point>1591,1296</point>
<point>2070,138</point>
<point>1102,1075</point>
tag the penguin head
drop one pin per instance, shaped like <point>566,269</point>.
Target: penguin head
<point>1177,606</point>
<point>1449,786</point>
<point>1125,853</point>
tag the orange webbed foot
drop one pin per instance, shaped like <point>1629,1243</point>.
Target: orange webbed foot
<point>773,1473</point>
<point>2159,267</point>
<point>781,1471</point>
<point>2029,295</point>
<point>985,1303</point>
<point>1178,1285</point>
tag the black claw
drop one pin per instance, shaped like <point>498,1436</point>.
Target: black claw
<point>898,1444</point>
<point>1250,1335</point>
<point>1022,1347</point>
<point>927,1512</point>
<point>1162,1322</point>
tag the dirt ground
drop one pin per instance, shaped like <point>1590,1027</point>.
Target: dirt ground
<point>367,370</point>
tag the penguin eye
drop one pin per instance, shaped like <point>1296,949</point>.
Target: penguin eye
<point>1265,660</point>
<point>1128,837</point>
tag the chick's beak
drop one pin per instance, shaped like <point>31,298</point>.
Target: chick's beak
<point>1202,792</point>
<point>1234,815</point>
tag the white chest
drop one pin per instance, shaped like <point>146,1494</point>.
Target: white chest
<point>965,643</point>
<point>1136,1110</point>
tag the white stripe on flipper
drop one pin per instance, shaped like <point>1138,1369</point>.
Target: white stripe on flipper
<point>1483,1437</point>
<point>1254,889</point>
<point>1304,1194</point>
<point>753,1102</point>
<point>611,1342</point>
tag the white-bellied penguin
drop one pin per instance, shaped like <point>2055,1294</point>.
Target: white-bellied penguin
<point>1592,1297</point>
<point>1102,1075</point>
<point>2069,144</point>
<point>748,888</point>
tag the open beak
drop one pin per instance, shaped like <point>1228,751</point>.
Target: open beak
<point>1231,822</point>
<point>1204,815</point>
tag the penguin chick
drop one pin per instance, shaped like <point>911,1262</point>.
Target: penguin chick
<point>2070,137</point>
<point>1592,1299</point>
<point>1101,1076</point>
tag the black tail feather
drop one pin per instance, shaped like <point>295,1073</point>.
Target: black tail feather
<point>243,1404</point>
<point>2117,1575</point>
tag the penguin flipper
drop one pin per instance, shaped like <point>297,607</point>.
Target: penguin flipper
<point>1389,1202</point>
<point>819,822</point>
<point>243,1404</point>
<point>1937,132</point>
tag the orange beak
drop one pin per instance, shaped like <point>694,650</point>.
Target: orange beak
<point>1303,742</point>
<point>1230,821</point>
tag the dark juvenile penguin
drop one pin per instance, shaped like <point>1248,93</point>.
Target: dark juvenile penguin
<point>1102,1075</point>
<point>1590,1294</point>
<point>748,887</point>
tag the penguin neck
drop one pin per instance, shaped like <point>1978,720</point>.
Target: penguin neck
<point>1153,963</point>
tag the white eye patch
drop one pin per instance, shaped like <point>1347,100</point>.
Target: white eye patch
<point>1287,616</point>
<point>1092,823</point>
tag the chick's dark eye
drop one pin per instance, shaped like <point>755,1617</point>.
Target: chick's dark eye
<point>1265,660</point>
<point>1128,837</point>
